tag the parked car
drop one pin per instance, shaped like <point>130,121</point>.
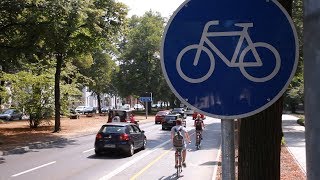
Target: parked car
<point>138,107</point>
<point>89,110</point>
<point>105,109</point>
<point>124,115</point>
<point>170,120</point>
<point>73,114</point>
<point>80,109</point>
<point>125,137</point>
<point>189,111</point>
<point>194,115</point>
<point>11,114</point>
<point>180,111</point>
<point>160,116</point>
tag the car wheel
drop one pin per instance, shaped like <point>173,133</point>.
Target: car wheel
<point>20,117</point>
<point>144,144</point>
<point>98,153</point>
<point>163,128</point>
<point>130,150</point>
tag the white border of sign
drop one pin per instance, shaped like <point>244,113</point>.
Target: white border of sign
<point>241,115</point>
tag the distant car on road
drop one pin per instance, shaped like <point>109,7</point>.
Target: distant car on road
<point>189,111</point>
<point>124,115</point>
<point>180,111</point>
<point>170,121</point>
<point>160,116</point>
<point>11,114</point>
<point>126,137</point>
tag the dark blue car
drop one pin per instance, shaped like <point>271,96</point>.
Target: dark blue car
<point>126,137</point>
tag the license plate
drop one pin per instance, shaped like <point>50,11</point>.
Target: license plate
<point>109,145</point>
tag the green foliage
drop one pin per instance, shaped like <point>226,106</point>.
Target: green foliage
<point>32,94</point>
<point>57,30</point>
<point>301,122</point>
<point>140,69</point>
<point>295,92</point>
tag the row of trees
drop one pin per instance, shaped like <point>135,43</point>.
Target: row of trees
<point>51,49</point>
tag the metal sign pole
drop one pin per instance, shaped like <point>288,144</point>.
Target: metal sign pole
<point>227,131</point>
<point>146,110</point>
<point>311,49</point>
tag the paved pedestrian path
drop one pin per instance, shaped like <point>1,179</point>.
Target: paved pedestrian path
<point>295,139</point>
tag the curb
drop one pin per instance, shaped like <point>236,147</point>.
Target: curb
<point>40,145</point>
<point>296,160</point>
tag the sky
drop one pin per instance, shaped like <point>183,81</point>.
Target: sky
<point>139,7</point>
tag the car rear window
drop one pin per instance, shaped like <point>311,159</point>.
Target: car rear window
<point>161,113</point>
<point>170,117</point>
<point>112,129</point>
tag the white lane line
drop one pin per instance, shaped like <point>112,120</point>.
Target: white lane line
<point>215,169</point>
<point>15,175</point>
<point>88,150</point>
<point>128,164</point>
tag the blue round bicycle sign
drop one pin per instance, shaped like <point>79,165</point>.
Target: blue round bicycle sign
<point>229,59</point>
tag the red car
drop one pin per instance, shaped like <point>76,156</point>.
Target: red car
<point>194,115</point>
<point>160,116</point>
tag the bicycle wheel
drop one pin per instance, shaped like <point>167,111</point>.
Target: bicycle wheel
<point>267,77</point>
<point>196,47</point>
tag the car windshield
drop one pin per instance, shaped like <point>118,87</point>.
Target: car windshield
<point>161,113</point>
<point>80,107</point>
<point>9,111</point>
<point>170,117</point>
<point>113,129</point>
<point>119,113</point>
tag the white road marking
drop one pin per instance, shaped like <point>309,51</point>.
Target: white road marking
<point>15,175</point>
<point>215,169</point>
<point>88,150</point>
<point>128,164</point>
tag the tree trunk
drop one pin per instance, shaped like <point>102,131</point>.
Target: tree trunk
<point>99,102</point>
<point>1,88</point>
<point>260,139</point>
<point>259,146</point>
<point>57,92</point>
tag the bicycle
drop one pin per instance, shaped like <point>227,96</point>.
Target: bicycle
<point>198,139</point>
<point>244,35</point>
<point>179,159</point>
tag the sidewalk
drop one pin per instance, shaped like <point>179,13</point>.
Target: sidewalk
<point>295,139</point>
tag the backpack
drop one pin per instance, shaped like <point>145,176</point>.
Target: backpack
<point>178,140</point>
<point>198,125</point>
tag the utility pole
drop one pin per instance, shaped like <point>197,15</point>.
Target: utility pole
<point>311,49</point>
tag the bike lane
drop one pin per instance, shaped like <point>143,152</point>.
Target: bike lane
<point>200,163</point>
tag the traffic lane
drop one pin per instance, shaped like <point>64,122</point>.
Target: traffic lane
<point>56,152</point>
<point>75,159</point>
<point>160,164</point>
<point>200,163</point>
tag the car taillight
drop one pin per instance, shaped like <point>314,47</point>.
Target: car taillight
<point>98,136</point>
<point>124,137</point>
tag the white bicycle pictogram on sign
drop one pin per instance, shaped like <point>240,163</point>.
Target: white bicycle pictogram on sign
<point>244,35</point>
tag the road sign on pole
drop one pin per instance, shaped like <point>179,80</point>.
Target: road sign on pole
<point>145,99</point>
<point>229,59</point>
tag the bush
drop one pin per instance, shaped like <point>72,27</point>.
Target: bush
<point>301,122</point>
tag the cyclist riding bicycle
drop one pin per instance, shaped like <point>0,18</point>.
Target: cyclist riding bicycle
<point>179,130</point>
<point>198,123</point>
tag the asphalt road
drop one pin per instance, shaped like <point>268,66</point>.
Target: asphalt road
<point>75,159</point>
